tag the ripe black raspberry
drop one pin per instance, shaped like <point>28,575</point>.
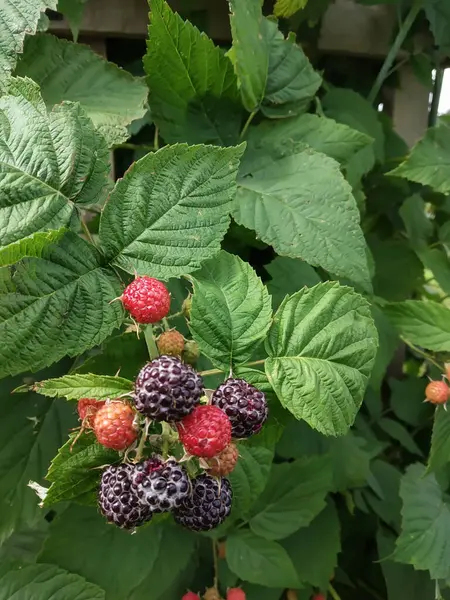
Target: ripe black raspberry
<point>207,506</point>
<point>161,485</point>
<point>167,390</point>
<point>118,498</point>
<point>245,406</point>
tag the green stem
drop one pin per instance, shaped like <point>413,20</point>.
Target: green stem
<point>217,371</point>
<point>216,564</point>
<point>165,323</point>
<point>393,52</point>
<point>333,592</point>
<point>423,354</point>
<point>156,139</point>
<point>247,123</point>
<point>150,341</point>
<point>140,448</point>
<point>86,230</point>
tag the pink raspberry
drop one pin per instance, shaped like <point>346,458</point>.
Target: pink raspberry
<point>206,431</point>
<point>146,299</point>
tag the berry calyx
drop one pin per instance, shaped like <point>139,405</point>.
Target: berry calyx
<point>87,407</point>
<point>224,463</point>
<point>167,390</point>
<point>205,432</point>
<point>190,596</point>
<point>171,343</point>
<point>211,594</point>
<point>146,299</point>
<point>207,506</point>
<point>114,425</point>
<point>236,594</point>
<point>161,484</point>
<point>118,499</point>
<point>245,406</point>
<point>437,392</point>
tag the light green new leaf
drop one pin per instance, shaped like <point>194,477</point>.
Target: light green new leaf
<point>17,19</point>
<point>314,549</point>
<point>398,432</point>
<point>261,561</point>
<point>291,81</point>
<point>424,541</point>
<point>231,310</point>
<point>440,440</point>
<point>429,160</point>
<point>74,472</point>
<point>287,8</point>
<point>33,245</point>
<point>171,210</point>
<point>294,496</point>
<point>249,477</point>
<point>250,48</point>
<point>41,582</point>
<point>288,276</point>
<point>193,87</point>
<point>56,305</point>
<point>74,387</point>
<point>48,163</point>
<point>322,345</point>
<point>436,261</point>
<point>298,201</point>
<point>323,135</point>
<point>418,226</point>
<point>111,96</point>
<point>426,324</point>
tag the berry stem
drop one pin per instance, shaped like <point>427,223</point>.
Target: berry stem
<point>140,448</point>
<point>150,341</point>
<point>216,564</point>
<point>333,592</point>
<point>423,354</point>
<point>166,325</point>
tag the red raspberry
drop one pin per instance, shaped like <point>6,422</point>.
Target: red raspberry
<point>224,463</point>
<point>190,596</point>
<point>146,299</point>
<point>437,392</point>
<point>319,597</point>
<point>171,343</point>
<point>87,407</point>
<point>236,594</point>
<point>206,431</point>
<point>114,425</point>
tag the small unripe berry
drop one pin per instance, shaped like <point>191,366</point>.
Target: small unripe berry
<point>186,307</point>
<point>224,463</point>
<point>171,343</point>
<point>87,407</point>
<point>191,352</point>
<point>437,392</point>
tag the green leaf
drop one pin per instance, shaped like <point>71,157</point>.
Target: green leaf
<point>294,496</point>
<point>74,387</point>
<point>251,56</point>
<point>351,462</point>
<point>388,506</point>
<point>231,310</point>
<point>171,210</point>
<point>288,276</point>
<point>193,88</point>
<point>17,19</point>
<point>398,432</point>
<point>261,561</point>
<point>30,246</point>
<point>56,305</point>
<point>444,233</point>
<point>314,549</point>
<point>437,262</point>
<point>249,477</point>
<point>388,343</point>
<point>424,541</point>
<point>438,14</point>
<point>418,225</point>
<point>440,441</point>
<point>276,185</point>
<point>426,324</point>
<point>41,582</point>
<point>429,160</point>
<point>48,163</point>
<point>74,472</point>
<point>322,345</point>
<point>323,135</point>
<point>111,96</point>
<point>287,8</point>
<point>25,543</point>
<point>291,81</point>
<point>407,400</point>
<point>153,556</point>
<point>73,11</point>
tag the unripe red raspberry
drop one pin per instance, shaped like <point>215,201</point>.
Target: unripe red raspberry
<point>87,407</point>
<point>205,432</point>
<point>146,299</point>
<point>236,594</point>
<point>171,343</point>
<point>190,596</point>
<point>437,392</point>
<point>114,426</point>
<point>224,463</point>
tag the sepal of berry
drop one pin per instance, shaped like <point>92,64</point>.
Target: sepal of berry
<point>87,407</point>
<point>224,463</point>
<point>146,299</point>
<point>161,484</point>
<point>437,392</point>
<point>205,432</point>
<point>245,406</point>
<point>211,594</point>
<point>171,343</point>
<point>167,390</point>
<point>208,504</point>
<point>114,425</point>
<point>236,594</point>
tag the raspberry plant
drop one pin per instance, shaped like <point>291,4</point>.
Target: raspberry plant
<point>229,365</point>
